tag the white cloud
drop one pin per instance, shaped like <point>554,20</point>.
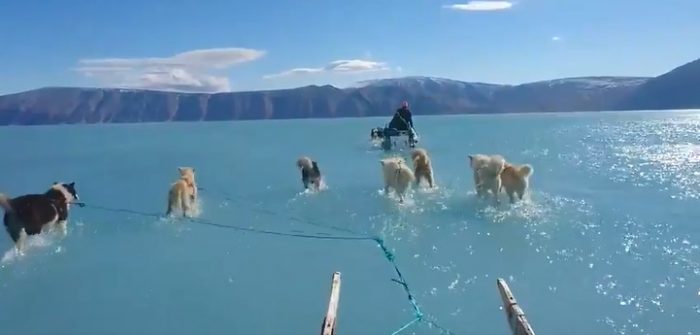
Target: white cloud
<point>292,72</point>
<point>481,6</point>
<point>355,65</point>
<point>192,71</point>
<point>181,80</point>
<point>556,38</point>
<point>338,66</point>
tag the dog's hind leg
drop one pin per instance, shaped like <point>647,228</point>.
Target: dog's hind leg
<point>478,185</point>
<point>511,195</point>
<point>170,208</point>
<point>49,227</point>
<point>305,178</point>
<point>185,205</point>
<point>21,241</point>
<point>431,181</point>
<point>520,193</point>
<point>481,191</point>
<point>494,190</point>
<point>63,227</point>
<point>12,227</point>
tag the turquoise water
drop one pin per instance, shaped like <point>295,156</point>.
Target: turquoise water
<point>606,243</point>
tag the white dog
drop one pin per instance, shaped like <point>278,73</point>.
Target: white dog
<point>487,173</point>
<point>397,175</point>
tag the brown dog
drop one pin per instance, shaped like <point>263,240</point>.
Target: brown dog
<point>422,168</point>
<point>183,193</point>
<point>515,180</point>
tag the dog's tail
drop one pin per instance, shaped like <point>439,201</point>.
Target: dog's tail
<point>525,171</point>
<point>5,203</point>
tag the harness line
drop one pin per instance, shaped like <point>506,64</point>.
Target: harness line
<point>388,255</point>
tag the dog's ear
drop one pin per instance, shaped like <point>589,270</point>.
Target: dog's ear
<point>72,184</point>
<point>55,183</point>
<point>183,170</point>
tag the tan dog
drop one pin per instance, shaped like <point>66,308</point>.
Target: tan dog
<point>487,173</point>
<point>183,193</point>
<point>515,180</point>
<point>397,176</point>
<point>310,173</point>
<point>422,168</point>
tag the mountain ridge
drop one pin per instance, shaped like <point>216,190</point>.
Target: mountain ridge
<point>379,97</point>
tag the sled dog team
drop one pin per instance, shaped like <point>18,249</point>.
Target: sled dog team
<point>31,213</point>
<point>491,174</point>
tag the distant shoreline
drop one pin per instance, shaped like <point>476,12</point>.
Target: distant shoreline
<point>386,118</point>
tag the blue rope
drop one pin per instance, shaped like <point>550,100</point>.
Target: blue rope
<point>219,225</point>
<point>406,326</point>
<point>269,232</point>
<point>226,196</point>
<point>419,316</point>
<point>401,281</point>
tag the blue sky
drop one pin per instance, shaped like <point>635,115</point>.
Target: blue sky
<point>239,45</point>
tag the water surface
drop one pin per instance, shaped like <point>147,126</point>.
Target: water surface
<point>606,243</point>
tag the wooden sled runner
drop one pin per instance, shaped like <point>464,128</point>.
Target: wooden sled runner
<point>515,315</point>
<point>329,321</point>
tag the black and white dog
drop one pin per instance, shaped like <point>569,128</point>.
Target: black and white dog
<point>310,173</point>
<point>30,213</point>
<point>377,133</point>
